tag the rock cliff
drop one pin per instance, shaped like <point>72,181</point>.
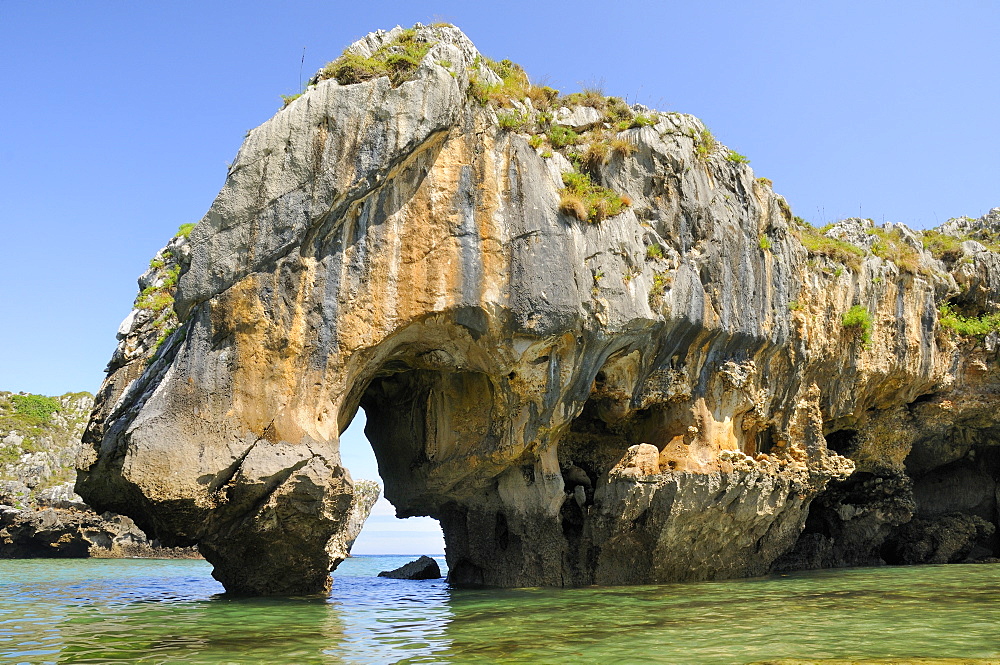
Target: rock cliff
<point>40,515</point>
<point>587,339</point>
<point>39,443</point>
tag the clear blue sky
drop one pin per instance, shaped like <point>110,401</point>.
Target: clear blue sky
<point>118,119</point>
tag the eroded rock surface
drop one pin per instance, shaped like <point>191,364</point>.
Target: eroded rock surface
<point>651,384</point>
<point>77,533</point>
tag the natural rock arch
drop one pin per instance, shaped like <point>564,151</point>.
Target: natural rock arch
<point>639,399</point>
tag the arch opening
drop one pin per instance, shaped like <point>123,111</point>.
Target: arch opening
<point>383,532</point>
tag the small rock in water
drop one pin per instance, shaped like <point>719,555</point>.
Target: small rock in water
<point>424,568</point>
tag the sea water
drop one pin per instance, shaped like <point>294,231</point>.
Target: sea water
<point>160,611</point>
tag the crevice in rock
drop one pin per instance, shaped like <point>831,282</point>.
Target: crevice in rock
<point>842,441</point>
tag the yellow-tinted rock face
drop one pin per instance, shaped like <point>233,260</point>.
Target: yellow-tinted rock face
<point>660,394</point>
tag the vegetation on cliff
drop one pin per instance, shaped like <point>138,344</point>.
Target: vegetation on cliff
<point>968,326</point>
<point>156,298</point>
<point>397,59</point>
<point>39,439</point>
<point>587,201</point>
<point>860,319</point>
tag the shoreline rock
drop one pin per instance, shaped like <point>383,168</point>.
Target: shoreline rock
<point>73,533</point>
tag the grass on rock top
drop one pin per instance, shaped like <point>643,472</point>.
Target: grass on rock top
<point>27,415</point>
<point>398,59</point>
<point>818,244</point>
<point>28,411</point>
<point>530,108</point>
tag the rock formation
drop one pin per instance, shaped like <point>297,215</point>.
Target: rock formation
<point>424,568</point>
<point>366,493</point>
<point>586,338</point>
<point>77,533</point>
<point>39,443</point>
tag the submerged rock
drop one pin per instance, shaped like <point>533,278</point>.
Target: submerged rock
<point>611,356</point>
<point>424,568</point>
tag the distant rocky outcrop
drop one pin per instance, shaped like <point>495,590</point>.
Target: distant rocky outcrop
<point>587,338</point>
<point>39,442</point>
<point>77,533</point>
<point>424,568</point>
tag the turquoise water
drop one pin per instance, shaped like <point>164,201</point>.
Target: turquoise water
<point>147,611</point>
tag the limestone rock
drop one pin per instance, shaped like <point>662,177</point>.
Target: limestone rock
<point>966,226</point>
<point>652,395</point>
<point>641,460</point>
<point>424,568</point>
<point>60,496</point>
<point>366,493</point>
<point>578,118</point>
<point>944,539</point>
<point>39,442</point>
<point>855,231</point>
<point>59,533</point>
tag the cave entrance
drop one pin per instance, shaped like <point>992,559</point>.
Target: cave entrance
<point>383,532</point>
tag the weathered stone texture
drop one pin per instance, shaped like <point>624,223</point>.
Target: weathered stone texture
<point>573,406</point>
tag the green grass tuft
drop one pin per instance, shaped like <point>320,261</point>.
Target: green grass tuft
<point>512,121</point>
<point>588,201</point>
<point>737,158</point>
<point>661,282</point>
<point>589,96</point>
<point>398,60</point>
<point>561,136</point>
<point>859,318</point>
<point>35,410</point>
<point>968,326</point>
<point>513,86</point>
<point>704,144</point>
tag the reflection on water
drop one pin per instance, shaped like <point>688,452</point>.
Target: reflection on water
<point>104,611</point>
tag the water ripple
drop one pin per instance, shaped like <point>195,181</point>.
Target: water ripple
<point>100,611</point>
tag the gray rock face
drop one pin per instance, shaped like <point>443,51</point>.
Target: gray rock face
<point>578,118</point>
<point>60,496</point>
<point>366,493</point>
<point>855,231</point>
<point>76,533</point>
<point>656,394</point>
<point>960,227</point>
<point>424,568</point>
